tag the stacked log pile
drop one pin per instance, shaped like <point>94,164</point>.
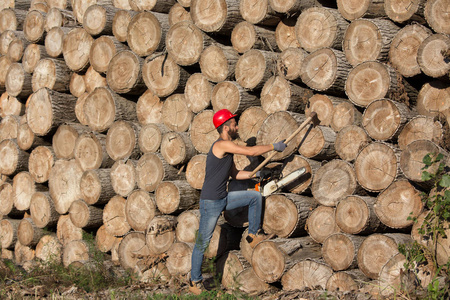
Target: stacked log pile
<point>106,110</point>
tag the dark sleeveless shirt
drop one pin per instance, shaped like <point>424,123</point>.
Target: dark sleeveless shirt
<point>216,176</point>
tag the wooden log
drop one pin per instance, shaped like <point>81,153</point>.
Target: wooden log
<point>59,17</point>
<point>96,186</point>
<point>377,35</point>
<point>114,216</point>
<point>84,215</point>
<point>140,209</point>
<point>176,114</point>
<point>77,85</point>
<point>150,137</point>
<point>16,48</point>
<point>26,139</point>
<point>178,13</point>
<point>7,254</point>
<point>431,58</point>
<point>334,181</point>
<point>132,249</point>
<point>195,171</point>
<point>303,183</point>
<point>259,12</point>
<point>90,151</point>
<point>398,205</point>
<point>148,108</point>
<point>306,274</point>
<point>153,5</point>
<point>8,238</point>
<point>33,26</point>
<point>229,266</point>
<point>47,109</point>
<point>279,94</point>
<point>320,27</point>
<point>405,46</point>
<point>411,160</point>
<point>217,62</point>
<point>350,141</point>
<point>124,73</point>
<point>285,34</point>
<point>93,79</point>
<point>392,277</point>
<point>294,7</point>
<point>246,36</point>
<point>122,140</point>
<point>250,283</point>
<point>5,40</point>
<point>215,16</point>
<point>323,106</point>
<point>272,259</point>
<point>10,105</point>
<point>431,99</point>
<point>358,9</point>
<point>54,41</point>
<point>79,109</point>
<point>324,70</point>
<point>79,7</point>
<point>187,226</point>
<point>31,56</point>
<point>76,46</point>
<point>144,43</point>
<point>344,114</point>
<point>18,83</point>
<point>377,249</point>
<point>49,249</point>
<point>23,253</point>
<point>346,281</point>
<point>254,68</point>
<point>249,123</point>
<point>278,126</point>
<point>177,148</point>
<point>75,251</point>
<point>103,240</point>
<point>175,196</point>
<point>317,142</point>
<point>64,184</point>
<point>198,92</point>
<point>123,177</point>
<point>28,233</point>
<point>63,141</point>
<point>179,258</point>
<point>285,214</point>
<point>202,131</point>
<point>66,231</point>
<point>102,51</point>
<point>232,96</point>
<point>160,234</point>
<point>6,199</point>
<point>340,250</point>
<point>376,166</point>
<point>5,63</point>
<point>289,63</point>
<point>401,13</point>
<point>120,23</point>
<point>103,106</point>
<point>321,223</point>
<point>23,189</point>
<point>157,273</point>
<point>13,159</point>
<point>52,74</point>
<point>435,15</point>
<point>355,215</point>
<point>9,127</point>
<point>11,19</point>
<point>43,211</point>
<point>421,128</point>
<point>98,19</point>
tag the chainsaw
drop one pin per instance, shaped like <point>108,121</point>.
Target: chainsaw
<point>268,184</point>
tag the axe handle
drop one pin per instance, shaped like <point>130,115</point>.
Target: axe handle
<point>303,125</point>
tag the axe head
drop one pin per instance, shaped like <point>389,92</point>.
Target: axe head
<point>314,119</point>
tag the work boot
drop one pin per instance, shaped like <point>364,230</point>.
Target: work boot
<point>196,287</point>
<point>254,239</point>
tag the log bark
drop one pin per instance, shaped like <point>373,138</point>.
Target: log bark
<point>175,196</point>
<point>76,46</point>
<point>436,17</point>
<point>49,249</point>
<point>64,184</point>
<point>177,148</point>
<point>124,74</point>
<point>98,19</point>
<point>356,215</point>
<point>421,128</point>
<point>405,46</point>
<point>198,92</point>
<point>33,26</point>
<point>352,10</point>
<point>246,36</point>
<point>90,151</point>
<point>163,76</point>
<point>75,251</point>
<point>320,27</point>
<point>47,109</point>
<point>202,131</point>
<point>96,186</point>
<point>18,83</point>
<point>63,141</point>
<point>28,233</point>
<point>123,177</point>
<point>368,39</point>
<point>178,13</point>
<point>254,68</point>
<point>114,216</point>
<point>122,140</point>
<point>179,260</point>
<point>187,226</point>
<point>217,62</point>
<point>334,181</point>
<point>259,12</point>
<point>321,223</point>
<point>250,121</point>
<point>376,166</point>
<point>350,141</point>
<point>215,16</point>
<point>66,231</point>
<point>325,70</point>
<point>430,55</point>
<point>23,189</point>
<point>317,142</point>
<point>150,137</point>
<point>85,216</point>
<point>43,211</point>
<point>148,108</point>
<point>377,249</point>
<point>140,209</point>
<point>340,250</point>
<point>306,274</point>
<point>285,215</point>
<point>120,23</point>
<point>13,159</point>
<point>54,41</point>
<point>344,114</point>
<point>10,105</point>
<point>144,43</point>
<point>160,234</point>
<point>279,94</point>
<point>176,114</point>
<point>103,106</point>
<point>272,259</point>
<point>102,51</point>
<point>289,63</point>
<point>8,238</point>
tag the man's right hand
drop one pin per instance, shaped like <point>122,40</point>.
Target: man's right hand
<point>280,146</point>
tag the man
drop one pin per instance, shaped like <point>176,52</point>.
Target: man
<point>214,197</point>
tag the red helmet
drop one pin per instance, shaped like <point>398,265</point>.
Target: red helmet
<point>222,116</point>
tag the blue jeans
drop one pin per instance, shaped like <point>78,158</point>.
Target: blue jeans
<point>210,211</point>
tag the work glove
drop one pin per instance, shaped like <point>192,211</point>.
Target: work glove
<point>280,146</point>
<point>263,174</point>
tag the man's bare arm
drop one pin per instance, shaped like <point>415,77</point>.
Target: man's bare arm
<point>223,147</point>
